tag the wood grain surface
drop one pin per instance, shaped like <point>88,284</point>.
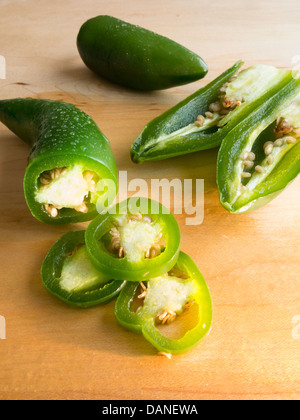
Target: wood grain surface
<point>250,262</point>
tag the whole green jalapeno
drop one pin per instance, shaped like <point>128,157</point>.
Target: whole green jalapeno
<point>136,57</point>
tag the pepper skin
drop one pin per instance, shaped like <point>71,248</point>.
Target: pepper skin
<point>84,287</point>
<point>136,57</point>
<point>134,242</point>
<point>163,301</point>
<point>175,132</point>
<point>65,142</point>
<point>261,156</point>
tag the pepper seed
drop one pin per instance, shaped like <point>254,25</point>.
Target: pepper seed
<point>251,156</point>
<point>143,286</point>
<point>51,210</point>
<point>268,149</point>
<point>44,180</point>
<point>198,123</point>
<point>248,164</point>
<point>136,217</point>
<point>167,355</point>
<point>278,143</point>
<point>209,115</point>
<point>290,140</point>
<point>82,208</point>
<point>260,169</point>
<point>246,175</point>
<point>122,252</point>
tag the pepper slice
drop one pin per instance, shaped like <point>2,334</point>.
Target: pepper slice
<point>135,57</point>
<point>68,274</point>
<point>202,120</point>
<point>70,163</point>
<point>171,297</point>
<point>138,239</point>
<point>261,156</point>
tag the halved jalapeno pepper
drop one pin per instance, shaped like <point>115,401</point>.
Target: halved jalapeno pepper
<point>138,239</point>
<point>68,274</point>
<point>202,120</point>
<point>70,159</point>
<point>261,156</point>
<point>176,304</point>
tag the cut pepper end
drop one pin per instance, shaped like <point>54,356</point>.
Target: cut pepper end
<point>135,155</point>
<point>68,274</point>
<point>181,292</point>
<point>61,136</point>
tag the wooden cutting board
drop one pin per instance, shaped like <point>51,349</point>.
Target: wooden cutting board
<point>250,262</point>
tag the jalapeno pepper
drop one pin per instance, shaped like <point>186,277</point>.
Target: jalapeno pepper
<point>68,274</point>
<point>69,157</point>
<point>136,57</point>
<point>138,239</point>
<point>261,155</point>
<point>175,296</point>
<point>202,120</point>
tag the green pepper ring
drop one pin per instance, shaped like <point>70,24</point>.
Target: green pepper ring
<point>67,215</point>
<point>131,320</point>
<point>51,269</point>
<point>121,269</point>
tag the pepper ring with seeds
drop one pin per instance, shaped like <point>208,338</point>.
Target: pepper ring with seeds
<point>138,239</point>
<point>179,297</point>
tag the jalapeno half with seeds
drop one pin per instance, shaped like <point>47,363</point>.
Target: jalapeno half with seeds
<point>172,311</point>
<point>138,239</point>
<point>202,120</point>
<point>68,274</point>
<point>69,157</point>
<point>261,156</point>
